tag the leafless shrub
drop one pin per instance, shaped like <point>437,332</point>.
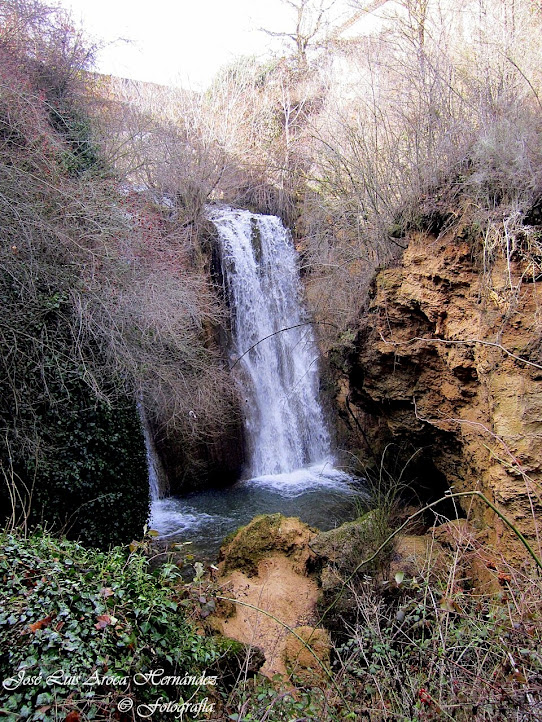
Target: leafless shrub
<point>122,273</point>
<point>157,325</point>
<point>437,648</point>
<point>436,111</point>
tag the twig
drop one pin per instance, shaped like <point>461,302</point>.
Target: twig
<point>280,330</point>
<point>464,342</point>
<point>296,635</point>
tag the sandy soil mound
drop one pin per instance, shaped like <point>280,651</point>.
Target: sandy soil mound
<point>272,557</point>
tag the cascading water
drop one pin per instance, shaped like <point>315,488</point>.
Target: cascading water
<point>156,473</point>
<point>273,344</point>
<point>275,360</point>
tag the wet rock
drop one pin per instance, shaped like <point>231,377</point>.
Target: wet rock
<point>212,462</point>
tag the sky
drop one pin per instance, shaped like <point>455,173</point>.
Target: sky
<point>181,42</point>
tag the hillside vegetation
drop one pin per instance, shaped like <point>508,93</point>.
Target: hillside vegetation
<point>104,302</point>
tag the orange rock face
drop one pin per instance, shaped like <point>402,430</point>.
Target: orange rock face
<point>448,360</point>
<point>264,568</point>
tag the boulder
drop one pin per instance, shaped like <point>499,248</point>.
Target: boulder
<point>349,544</point>
<point>264,574</point>
<point>266,535</point>
<point>338,554</point>
<point>418,557</point>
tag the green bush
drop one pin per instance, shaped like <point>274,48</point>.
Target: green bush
<point>86,616</point>
<point>95,466</point>
<point>71,459</point>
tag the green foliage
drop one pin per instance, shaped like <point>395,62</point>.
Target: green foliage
<point>77,613</point>
<point>259,699</point>
<point>69,459</point>
<point>95,465</point>
<point>81,153</point>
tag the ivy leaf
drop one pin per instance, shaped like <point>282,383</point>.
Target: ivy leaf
<point>104,620</point>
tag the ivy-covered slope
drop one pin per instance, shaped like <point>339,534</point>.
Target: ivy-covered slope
<point>80,630</point>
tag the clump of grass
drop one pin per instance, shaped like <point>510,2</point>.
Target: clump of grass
<point>437,647</point>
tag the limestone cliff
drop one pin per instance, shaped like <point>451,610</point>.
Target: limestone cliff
<point>447,361</point>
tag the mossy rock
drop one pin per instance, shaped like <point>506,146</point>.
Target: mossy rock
<point>339,553</point>
<point>265,535</point>
<point>349,544</point>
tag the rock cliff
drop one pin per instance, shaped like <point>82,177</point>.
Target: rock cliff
<point>446,366</point>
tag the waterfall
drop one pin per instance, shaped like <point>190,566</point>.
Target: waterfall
<point>274,358</point>
<point>273,346</point>
<point>157,476</point>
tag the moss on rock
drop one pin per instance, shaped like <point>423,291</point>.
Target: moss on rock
<point>265,535</point>
<point>234,656</point>
<point>339,553</point>
<point>349,544</point>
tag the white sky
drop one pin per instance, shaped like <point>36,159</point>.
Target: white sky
<point>174,41</point>
<point>184,41</point>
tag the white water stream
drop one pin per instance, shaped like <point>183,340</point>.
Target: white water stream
<point>275,361</point>
<point>273,344</point>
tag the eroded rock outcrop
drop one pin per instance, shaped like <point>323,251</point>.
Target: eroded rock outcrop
<point>266,566</point>
<point>447,360</point>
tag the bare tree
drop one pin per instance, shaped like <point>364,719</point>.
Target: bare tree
<point>311,27</point>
